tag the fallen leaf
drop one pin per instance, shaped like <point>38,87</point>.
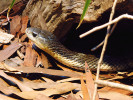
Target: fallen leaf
<point>84,90</point>
<point>17,60</point>
<point>111,89</point>
<point>57,89</point>
<point>90,82</point>
<point>2,97</point>
<point>67,80</point>
<point>24,23</point>
<point>10,63</point>
<point>15,25</point>
<point>7,52</point>
<point>23,37</point>
<point>44,61</point>
<point>3,22</point>
<point>47,80</point>
<point>37,84</point>
<point>42,97</point>
<point>30,57</point>
<point>47,71</point>
<point>114,96</point>
<point>6,88</point>
<point>20,85</point>
<point>71,96</point>
<point>5,37</point>
<point>21,55</point>
<point>79,95</point>
<point>8,67</point>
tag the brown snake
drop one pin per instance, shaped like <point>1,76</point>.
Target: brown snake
<point>49,43</point>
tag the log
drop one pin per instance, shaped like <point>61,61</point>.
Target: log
<point>60,15</point>
<point>4,4</point>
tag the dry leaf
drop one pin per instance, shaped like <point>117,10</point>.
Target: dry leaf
<point>111,89</point>
<point>79,95</point>
<point>114,96</point>
<point>71,96</point>
<point>67,80</point>
<point>24,23</point>
<point>42,97</point>
<point>44,61</point>
<point>21,55</point>
<point>7,68</point>
<point>6,88</point>
<point>90,82</point>
<point>20,85</point>
<point>15,25</point>
<point>2,97</point>
<point>5,37</point>
<point>23,37</point>
<point>4,21</point>
<point>7,52</point>
<point>57,89</point>
<point>30,57</point>
<point>47,80</point>
<point>84,90</point>
<point>37,84</point>
<point>10,63</point>
<point>47,71</point>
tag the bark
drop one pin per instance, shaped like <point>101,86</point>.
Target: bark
<point>60,15</point>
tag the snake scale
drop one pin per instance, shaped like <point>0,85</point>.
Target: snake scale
<point>49,43</point>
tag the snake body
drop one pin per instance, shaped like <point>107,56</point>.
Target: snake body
<point>49,43</point>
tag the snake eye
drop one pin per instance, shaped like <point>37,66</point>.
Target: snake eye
<point>34,34</point>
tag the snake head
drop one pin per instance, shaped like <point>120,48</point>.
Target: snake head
<point>37,36</point>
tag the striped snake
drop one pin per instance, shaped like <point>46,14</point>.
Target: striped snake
<point>49,43</point>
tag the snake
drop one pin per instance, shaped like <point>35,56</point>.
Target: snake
<point>49,43</point>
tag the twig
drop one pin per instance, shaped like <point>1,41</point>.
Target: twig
<point>105,25</point>
<point>104,48</point>
<point>93,49</point>
<point>116,85</point>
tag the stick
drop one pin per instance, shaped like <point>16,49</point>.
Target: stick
<point>104,48</point>
<point>106,24</point>
<point>116,85</point>
<point>96,47</point>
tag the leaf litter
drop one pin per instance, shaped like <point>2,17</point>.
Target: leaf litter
<point>27,73</point>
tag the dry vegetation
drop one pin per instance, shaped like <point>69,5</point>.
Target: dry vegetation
<point>26,73</point>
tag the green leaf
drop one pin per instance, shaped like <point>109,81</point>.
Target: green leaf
<point>87,3</point>
<point>10,7</point>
